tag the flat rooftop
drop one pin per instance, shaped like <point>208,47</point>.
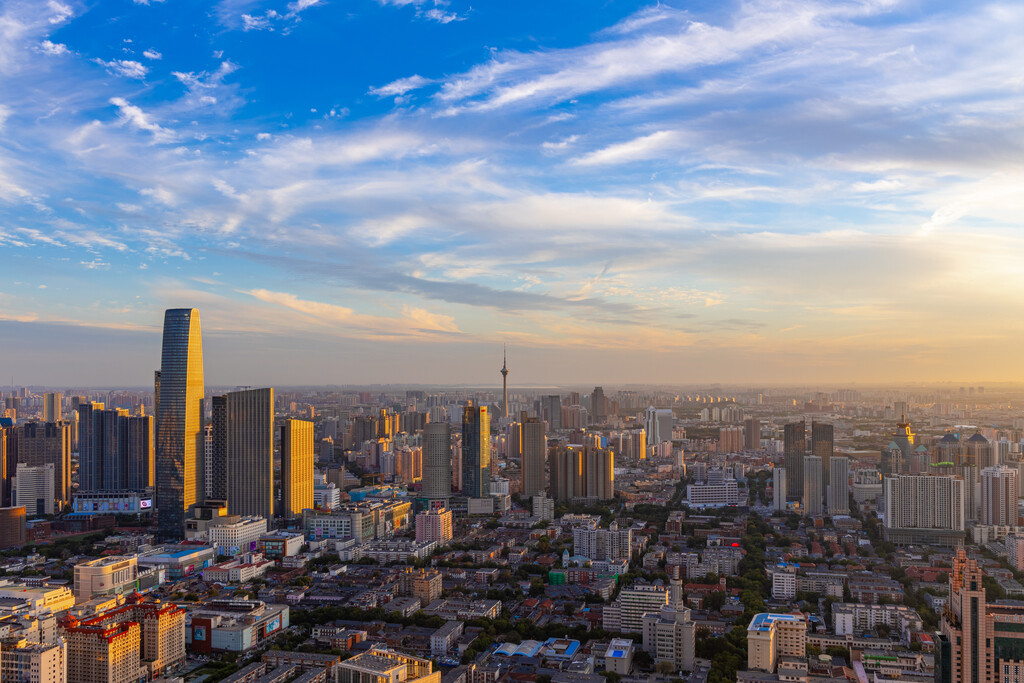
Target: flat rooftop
<point>764,621</point>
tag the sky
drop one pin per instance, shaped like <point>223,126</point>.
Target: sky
<point>355,191</point>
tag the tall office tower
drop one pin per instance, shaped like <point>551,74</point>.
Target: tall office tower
<point>904,438</point>
<point>89,472</point>
<point>980,452</point>
<point>582,473</point>
<point>779,489</point>
<point>751,434</point>
<point>999,496</point>
<point>658,425</point>
<point>8,465</point>
<point>35,488</point>
<point>839,486</point>
<point>52,410</point>
<point>977,641</point>
<point>437,461</point>
<point>136,453</point>
<point>180,472</point>
<point>156,399</point>
<point>947,450</point>
<point>208,461</point>
<point>218,447</point>
<point>599,405</point>
<point>551,410</point>
<point>531,445</point>
<point>924,509</point>
<point>243,435</point>
<point>476,452</point>
<point>504,384</point>
<point>823,443</point>
<point>296,468</point>
<point>813,475</point>
<point>41,443</point>
<point>794,450</point>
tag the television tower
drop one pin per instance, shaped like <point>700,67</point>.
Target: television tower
<point>504,381</point>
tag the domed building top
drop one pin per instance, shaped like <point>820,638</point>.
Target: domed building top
<point>977,438</point>
<point>950,438</point>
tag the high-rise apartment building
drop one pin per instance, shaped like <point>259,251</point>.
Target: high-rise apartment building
<point>434,525</point>
<point>23,661</point>
<point>670,636</point>
<point>794,448</point>
<point>779,489</point>
<point>180,474</point>
<point>839,486</point>
<point>243,435</point>
<point>633,445</point>
<point>773,636</point>
<point>437,461</point>
<point>12,527</point>
<point>53,410</point>
<point>8,464</point>
<point>582,473</point>
<point>476,452</point>
<point>530,445</point>
<point>42,443</point>
<point>999,491</point>
<point>924,509</point>
<point>813,477</point>
<point>89,476</point>
<point>603,544</point>
<point>730,439</point>
<point>296,467</point>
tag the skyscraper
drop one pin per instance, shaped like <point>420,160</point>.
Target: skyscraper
<point>476,452</point>
<point>89,477</point>
<point>504,383</point>
<point>135,441</point>
<point>531,447</point>
<point>812,485</point>
<point>179,445</point>
<point>599,405</point>
<point>924,509</point>
<point>999,496</point>
<point>658,425</point>
<point>243,435</point>
<point>794,450</point>
<point>839,486</point>
<point>779,489</point>
<point>822,444</point>
<point>751,434</point>
<point>437,461</point>
<point>296,467</point>
<point>52,411</point>
<point>551,410</point>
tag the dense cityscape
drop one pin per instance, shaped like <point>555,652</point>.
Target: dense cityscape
<point>562,535</point>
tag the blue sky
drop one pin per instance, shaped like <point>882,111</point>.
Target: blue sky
<point>389,190</point>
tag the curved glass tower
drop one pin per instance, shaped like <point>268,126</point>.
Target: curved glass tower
<point>180,440</point>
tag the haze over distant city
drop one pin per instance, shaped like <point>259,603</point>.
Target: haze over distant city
<point>624,192</point>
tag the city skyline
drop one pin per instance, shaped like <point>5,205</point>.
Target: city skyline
<point>746,191</point>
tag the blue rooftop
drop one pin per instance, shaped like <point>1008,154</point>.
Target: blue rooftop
<point>764,621</point>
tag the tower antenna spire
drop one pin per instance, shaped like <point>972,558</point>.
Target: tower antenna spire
<point>504,380</point>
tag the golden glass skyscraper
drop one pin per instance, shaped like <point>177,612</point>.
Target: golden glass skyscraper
<point>179,447</point>
<point>296,468</point>
<point>476,452</point>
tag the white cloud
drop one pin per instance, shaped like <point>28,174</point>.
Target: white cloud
<point>442,17</point>
<point>640,148</point>
<point>152,54</point>
<point>134,116</point>
<point>124,67</point>
<point>50,48</point>
<point>401,86</point>
<point>61,12</point>
<point>145,2</point>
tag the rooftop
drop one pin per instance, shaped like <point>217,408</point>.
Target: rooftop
<point>764,621</point>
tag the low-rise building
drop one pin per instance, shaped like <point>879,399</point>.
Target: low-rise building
<point>234,625</point>
<point>387,666</point>
<point>241,569</point>
<point>853,618</point>
<point>279,544</point>
<point>39,599</point>
<point>444,639</point>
